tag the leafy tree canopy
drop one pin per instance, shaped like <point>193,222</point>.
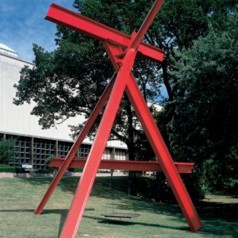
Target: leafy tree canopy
<point>204,126</point>
<point>69,80</point>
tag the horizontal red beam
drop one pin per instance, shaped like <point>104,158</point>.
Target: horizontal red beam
<point>125,165</point>
<point>77,22</point>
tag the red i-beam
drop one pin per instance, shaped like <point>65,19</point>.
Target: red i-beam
<point>122,50</point>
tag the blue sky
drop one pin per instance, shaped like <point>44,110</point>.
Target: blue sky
<point>22,23</point>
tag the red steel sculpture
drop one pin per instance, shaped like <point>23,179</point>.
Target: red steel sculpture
<point>122,50</point>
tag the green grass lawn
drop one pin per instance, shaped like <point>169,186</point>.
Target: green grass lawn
<point>19,197</point>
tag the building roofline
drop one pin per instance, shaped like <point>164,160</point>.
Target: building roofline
<point>15,58</point>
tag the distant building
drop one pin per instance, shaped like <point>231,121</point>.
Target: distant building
<point>34,145</point>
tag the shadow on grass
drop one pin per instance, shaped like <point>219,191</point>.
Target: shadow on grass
<point>101,220</point>
<point>210,228</point>
<point>219,210</point>
<point>212,225</point>
<point>67,184</point>
<point>219,219</point>
<point>219,228</point>
<point>102,189</point>
<point>132,223</point>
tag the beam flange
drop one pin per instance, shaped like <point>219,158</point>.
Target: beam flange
<point>127,165</point>
<point>85,25</point>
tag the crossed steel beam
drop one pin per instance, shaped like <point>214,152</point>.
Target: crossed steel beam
<point>80,23</point>
<point>128,165</point>
<point>122,50</point>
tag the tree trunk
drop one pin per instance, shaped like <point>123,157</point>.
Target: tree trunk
<point>132,175</point>
<point>159,187</point>
<point>132,190</point>
<point>131,149</point>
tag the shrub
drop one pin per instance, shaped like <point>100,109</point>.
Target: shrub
<point>7,152</point>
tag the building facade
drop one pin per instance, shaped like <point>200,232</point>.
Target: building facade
<point>33,145</point>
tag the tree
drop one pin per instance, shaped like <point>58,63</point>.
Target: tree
<point>205,126</point>
<point>7,152</point>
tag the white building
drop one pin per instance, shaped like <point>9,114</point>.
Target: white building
<point>33,144</point>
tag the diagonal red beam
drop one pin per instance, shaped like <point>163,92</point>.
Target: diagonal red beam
<point>128,165</point>
<point>157,143</point>
<point>85,25</point>
<point>85,185</point>
<point>146,24</point>
<point>163,155</point>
